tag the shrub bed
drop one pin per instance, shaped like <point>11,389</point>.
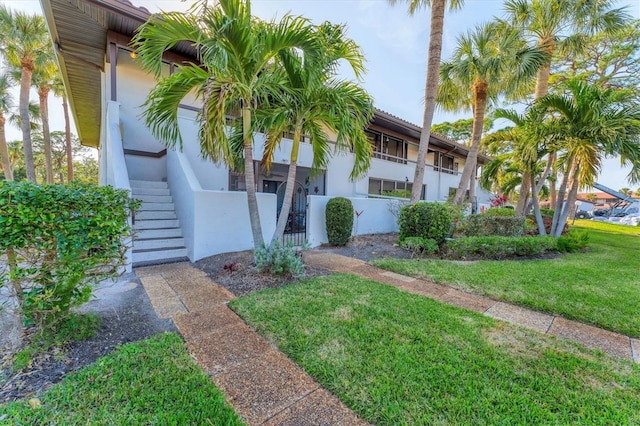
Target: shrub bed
<point>498,247</point>
<point>428,220</point>
<point>482,225</point>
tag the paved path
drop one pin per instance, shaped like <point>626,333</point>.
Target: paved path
<point>262,384</point>
<point>592,337</point>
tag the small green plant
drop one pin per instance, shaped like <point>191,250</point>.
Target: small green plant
<point>574,240</point>
<point>72,328</point>
<point>482,225</point>
<point>428,220</point>
<point>279,259</point>
<point>339,220</point>
<point>420,246</point>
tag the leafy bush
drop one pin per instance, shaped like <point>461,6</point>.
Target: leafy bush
<point>58,242</point>
<point>279,259</point>
<point>481,225</point>
<point>498,211</point>
<point>547,212</point>
<point>419,246</point>
<point>497,247</point>
<point>339,220</point>
<point>574,240</point>
<point>428,220</point>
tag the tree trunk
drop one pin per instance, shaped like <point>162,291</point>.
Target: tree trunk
<point>430,91</point>
<point>67,134</point>
<point>480,90</point>
<point>249,177</point>
<point>561,193</point>
<point>4,151</point>
<point>542,77</point>
<point>288,193</point>
<point>552,182</point>
<point>536,209</point>
<point>538,187</point>
<point>571,199</point>
<point>525,185</point>
<point>25,119</point>
<point>43,94</point>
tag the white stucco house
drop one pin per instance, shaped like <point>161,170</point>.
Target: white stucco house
<point>191,207</point>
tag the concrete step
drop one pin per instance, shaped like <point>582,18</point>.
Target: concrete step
<point>145,234</point>
<point>148,184</point>
<point>156,244</point>
<point>156,224</point>
<point>149,191</point>
<point>154,198</point>
<point>157,206</point>
<point>147,257</point>
<point>155,214</point>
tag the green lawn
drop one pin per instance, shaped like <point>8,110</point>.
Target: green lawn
<point>400,359</point>
<point>600,287</point>
<point>149,382</point>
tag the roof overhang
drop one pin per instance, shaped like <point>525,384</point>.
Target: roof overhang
<point>79,31</point>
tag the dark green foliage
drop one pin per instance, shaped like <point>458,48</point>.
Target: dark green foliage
<point>278,259</point>
<point>574,240</point>
<point>547,212</point>
<point>59,241</point>
<point>498,211</point>
<point>419,246</point>
<point>481,225</point>
<point>339,220</point>
<point>428,220</point>
<point>497,247</point>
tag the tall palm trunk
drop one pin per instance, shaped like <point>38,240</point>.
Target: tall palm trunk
<point>25,121</point>
<point>43,94</point>
<point>571,199</point>
<point>249,175</point>
<point>67,137</point>
<point>288,193</point>
<point>536,209</point>
<point>430,91</point>
<point>4,150</point>
<point>571,164</point>
<point>480,91</point>
<point>523,199</point>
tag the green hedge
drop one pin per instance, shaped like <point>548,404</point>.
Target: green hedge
<point>482,225</point>
<point>59,241</point>
<point>339,220</point>
<point>497,247</point>
<point>428,220</point>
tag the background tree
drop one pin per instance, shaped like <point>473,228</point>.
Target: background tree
<point>591,197</point>
<point>315,100</point>
<point>42,80</point>
<point>626,191</point>
<point>434,56</point>
<point>6,103</point>
<point>25,44</point>
<point>236,52</point>
<point>485,64</point>
<point>460,130</point>
<point>593,123</point>
<point>59,90</point>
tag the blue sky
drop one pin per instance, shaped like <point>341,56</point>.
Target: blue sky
<point>394,44</point>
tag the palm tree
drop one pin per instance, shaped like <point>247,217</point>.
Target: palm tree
<point>593,123</point>
<point>314,101</point>
<point>235,52</point>
<point>486,63</point>
<point>42,80</point>
<point>6,103</point>
<point>561,25</point>
<point>431,85</point>
<point>59,90</point>
<point>25,44</point>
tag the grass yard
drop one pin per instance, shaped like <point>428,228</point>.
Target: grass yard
<point>600,287</point>
<point>149,382</point>
<point>400,359</point>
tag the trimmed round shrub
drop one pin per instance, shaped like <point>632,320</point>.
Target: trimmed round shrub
<point>339,220</point>
<point>428,220</point>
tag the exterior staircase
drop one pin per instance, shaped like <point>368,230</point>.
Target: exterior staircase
<point>157,234</point>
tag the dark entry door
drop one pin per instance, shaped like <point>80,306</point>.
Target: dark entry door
<point>296,230</point>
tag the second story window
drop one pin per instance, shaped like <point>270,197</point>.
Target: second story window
<point>445,163</point>
<point>387,147</point>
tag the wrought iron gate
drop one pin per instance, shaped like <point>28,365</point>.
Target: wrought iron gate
<point>295,232</point>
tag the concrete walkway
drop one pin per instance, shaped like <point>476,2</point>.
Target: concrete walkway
<point>260,382</point>
<point>592,337</point>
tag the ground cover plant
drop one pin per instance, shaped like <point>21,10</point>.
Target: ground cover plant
<point>149,382</point>
<point>399,359</point>
<point>598,287</point>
